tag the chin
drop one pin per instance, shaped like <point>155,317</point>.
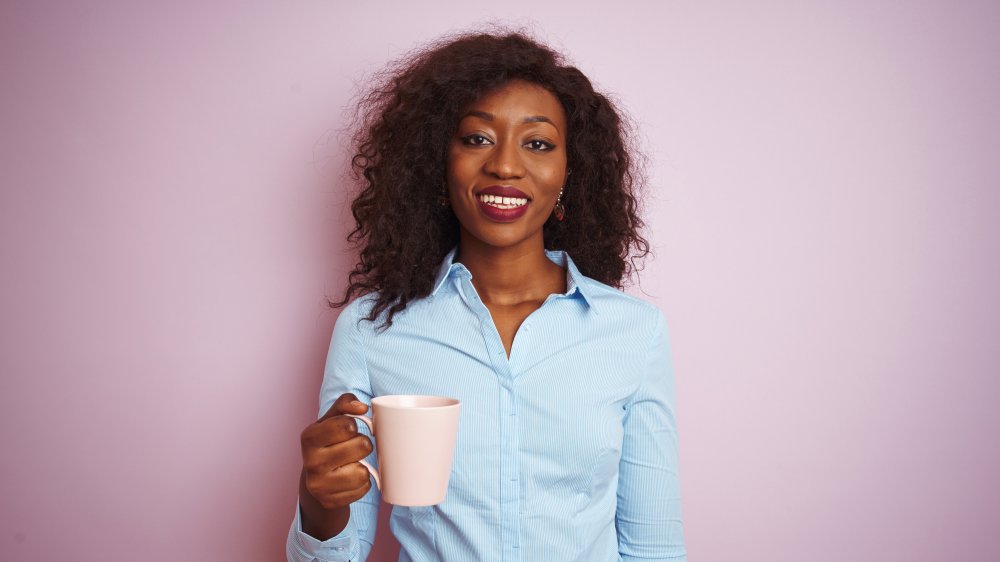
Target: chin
<point>509,239</point>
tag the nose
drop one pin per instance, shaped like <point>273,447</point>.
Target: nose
<point>504,161</point>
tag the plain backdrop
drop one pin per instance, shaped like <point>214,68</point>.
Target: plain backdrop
<point>824,209</point>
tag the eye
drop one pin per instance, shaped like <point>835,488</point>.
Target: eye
<point>476,140</point>
<point>540,145</point>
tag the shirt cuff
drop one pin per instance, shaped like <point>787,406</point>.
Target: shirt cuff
<point>303,547</point>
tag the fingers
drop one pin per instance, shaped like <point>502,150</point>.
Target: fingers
<point>339,487</point>
<point>334,477</point>
<point>343,478</point>
<point>330,431</point>
<point>331,449</point>
<point>334,427</point>
<point>328,459</point>
<point>346,403</point>
<point>346,498</point>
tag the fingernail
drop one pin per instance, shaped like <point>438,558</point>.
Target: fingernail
<point>356,403</point>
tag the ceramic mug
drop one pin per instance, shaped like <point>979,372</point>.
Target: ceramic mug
<point>415,446</point>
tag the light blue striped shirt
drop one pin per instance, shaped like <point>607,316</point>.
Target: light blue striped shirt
<point>566,451</point>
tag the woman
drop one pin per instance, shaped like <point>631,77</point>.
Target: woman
<point>497,216</point>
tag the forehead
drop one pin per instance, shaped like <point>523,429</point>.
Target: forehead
<point>518,99</point>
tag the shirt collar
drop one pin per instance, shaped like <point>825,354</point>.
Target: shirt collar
<point>445,269</point>
<point>576,282</point>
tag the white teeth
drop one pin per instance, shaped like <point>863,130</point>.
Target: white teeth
<point>504,202</point>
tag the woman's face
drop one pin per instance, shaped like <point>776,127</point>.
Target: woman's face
<point>506,165</point>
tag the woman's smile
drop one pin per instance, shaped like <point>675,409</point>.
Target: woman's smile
<point>503,203</point>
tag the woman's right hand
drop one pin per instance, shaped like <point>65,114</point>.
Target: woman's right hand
<point>331,449</point>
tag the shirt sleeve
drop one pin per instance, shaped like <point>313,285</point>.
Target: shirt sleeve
<point>648,517</point>
<point>346,371</point>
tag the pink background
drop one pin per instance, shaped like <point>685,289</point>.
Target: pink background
<point>825,212</point>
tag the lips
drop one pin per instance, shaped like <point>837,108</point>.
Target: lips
<point>503,191</point>
<point>503,203</point>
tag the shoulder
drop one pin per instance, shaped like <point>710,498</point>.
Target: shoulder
<point>624,312</point>
<point>623,309</point>
<point>353,317</point>
<point>361,306</point>
<point>358,313</point>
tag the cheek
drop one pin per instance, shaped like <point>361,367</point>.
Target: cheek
<point>551,176</point>
<point>459,166</point>
<point>554,177</point>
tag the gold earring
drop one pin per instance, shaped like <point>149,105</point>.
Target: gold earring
<point>559,211</point>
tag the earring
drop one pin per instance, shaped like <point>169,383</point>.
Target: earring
<point>443,197</point>
<point>559,211</point>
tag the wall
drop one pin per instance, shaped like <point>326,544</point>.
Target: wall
<point>824,212</point>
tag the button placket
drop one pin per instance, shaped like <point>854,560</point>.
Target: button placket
<point>510,470</point>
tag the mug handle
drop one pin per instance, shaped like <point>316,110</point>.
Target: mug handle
<point>364,463</point>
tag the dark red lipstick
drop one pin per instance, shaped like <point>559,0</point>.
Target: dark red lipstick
<point>503,191</point>
<point>496,208</point>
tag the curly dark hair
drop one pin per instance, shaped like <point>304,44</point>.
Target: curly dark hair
<point>402,130</point>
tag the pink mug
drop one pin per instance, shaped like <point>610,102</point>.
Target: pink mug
<point>415,447</point>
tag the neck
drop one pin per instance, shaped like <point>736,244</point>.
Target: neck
<point>511,275</point>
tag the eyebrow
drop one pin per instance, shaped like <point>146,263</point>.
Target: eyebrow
<point>531,119</point>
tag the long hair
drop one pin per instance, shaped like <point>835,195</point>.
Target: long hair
<point>403,126</point>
